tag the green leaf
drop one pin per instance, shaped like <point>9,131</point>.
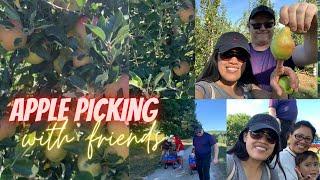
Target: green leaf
<point>122,34</point>
<point>159,89</point>
<point>167,75</point>
<point>179,84</point>
<point>135,80</point>
<point>25,167</point>
<point>81,3</point>
<point>97,31</point>
<point>6,174</point>
<point>77,82</point>
<point>83,176</point>
<point>102,78</point>
<point>7,142</point>
<point>157,79</point>
<point>10,11</point>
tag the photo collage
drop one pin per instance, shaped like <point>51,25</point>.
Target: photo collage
<point>159,89</point>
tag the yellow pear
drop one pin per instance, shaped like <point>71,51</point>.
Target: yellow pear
<point>282,44</point>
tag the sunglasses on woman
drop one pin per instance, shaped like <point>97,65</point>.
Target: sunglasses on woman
<point>241,55</point>
<point>266,25</point>
<point>270,137</point>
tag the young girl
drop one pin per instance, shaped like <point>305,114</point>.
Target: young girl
<point>307,165</point>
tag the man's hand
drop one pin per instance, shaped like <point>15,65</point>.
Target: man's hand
<point>215,161</point>
<point>278,72</point>
<point>299,16</point>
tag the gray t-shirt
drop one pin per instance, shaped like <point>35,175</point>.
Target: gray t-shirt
<point>239,174</point>
<point>213,91</point>
<point>287,160</point>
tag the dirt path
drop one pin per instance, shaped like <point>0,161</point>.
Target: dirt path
<point>182,174</point>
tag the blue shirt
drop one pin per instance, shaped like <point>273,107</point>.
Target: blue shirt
<point>202,145</point>
<point>286,109</point>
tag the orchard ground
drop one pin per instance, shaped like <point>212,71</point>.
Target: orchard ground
<point>151,170</point>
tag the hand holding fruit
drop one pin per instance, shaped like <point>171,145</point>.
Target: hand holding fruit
<point>284,79</point>
<point>299,17</point>
<point>282,47</point>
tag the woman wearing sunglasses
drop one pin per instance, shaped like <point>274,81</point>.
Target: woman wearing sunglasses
<point>300,139</point>
<point>258,144</point>
<point>221,75</point>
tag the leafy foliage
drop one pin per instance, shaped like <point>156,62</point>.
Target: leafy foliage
<point>82,46</point>
<point>162,37</point>
<point>235,124</point>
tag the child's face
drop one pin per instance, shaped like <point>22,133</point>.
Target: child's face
<point>310,166</point>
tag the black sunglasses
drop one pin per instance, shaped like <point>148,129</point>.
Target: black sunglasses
<point>266,25</point>
<point>300,137</point>
<point>271,137</point>
<point>241,55</point>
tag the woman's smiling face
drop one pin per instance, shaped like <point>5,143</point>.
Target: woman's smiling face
<point>231,64</point>
<point>258,147</point>
<point>300,140</point>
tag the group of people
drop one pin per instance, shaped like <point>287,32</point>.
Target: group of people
<point>239,69</point>
<point>203,146</point>
<point>174,143</point>
<point>274,146</point>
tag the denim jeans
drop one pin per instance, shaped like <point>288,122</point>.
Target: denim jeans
<point>203,167</point>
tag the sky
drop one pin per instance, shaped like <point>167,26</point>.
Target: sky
<point>211,114</point>
<point>308,109</point>
<point>236,8</point>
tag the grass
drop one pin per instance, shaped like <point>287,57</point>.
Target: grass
<point>142,162</point>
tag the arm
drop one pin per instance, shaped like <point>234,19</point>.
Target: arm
<point>302,18</point>
<point>273,112</point>
<point>259,93</point>
<point>216,153</point>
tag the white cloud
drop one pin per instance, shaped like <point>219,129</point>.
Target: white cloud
<point>248,106</point>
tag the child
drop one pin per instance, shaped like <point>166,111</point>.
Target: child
<point>193,155</point>
<point>307,165</point>
<point>192,161</point>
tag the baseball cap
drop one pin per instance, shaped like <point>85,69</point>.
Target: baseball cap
<point>262,10</point>
<point>263,121</point>
<point>231,40</point>
<point>198,129</point>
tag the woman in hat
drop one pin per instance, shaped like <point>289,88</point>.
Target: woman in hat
<point>221,75</point>
<point>257,145</point>
<point>300,139</point>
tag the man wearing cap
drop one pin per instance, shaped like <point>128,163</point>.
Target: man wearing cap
<point>300,18</point>
<point>203,143</point>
